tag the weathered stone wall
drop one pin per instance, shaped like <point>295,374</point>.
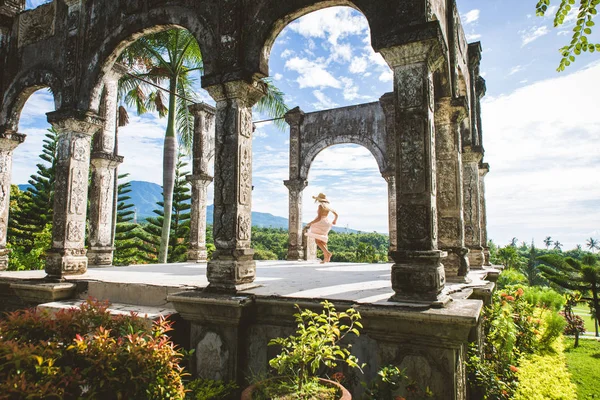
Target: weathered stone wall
<point>363,124</point>
<point>69,44</point>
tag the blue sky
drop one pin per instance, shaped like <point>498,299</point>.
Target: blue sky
<point>541,128</point>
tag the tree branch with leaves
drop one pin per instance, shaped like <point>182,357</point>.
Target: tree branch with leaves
<point>583,27</point>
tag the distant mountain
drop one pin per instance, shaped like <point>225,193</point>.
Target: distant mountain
<point>144,196</point>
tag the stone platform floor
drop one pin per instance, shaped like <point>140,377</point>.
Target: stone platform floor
<point>360,283</point>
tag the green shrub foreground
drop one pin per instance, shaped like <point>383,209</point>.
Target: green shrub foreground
<point>87,353</point>
<point>522,331</point>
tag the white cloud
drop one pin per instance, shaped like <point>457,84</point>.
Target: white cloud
<point>387,76</point>
<point>277,76</point>
<point>470,17</point>
<point>543,154</point>
<point>471,37</point>
<point>332,23</point>
<point>324,102</point>
<point>358,65</point>
<point>312,73</point>
<point>515,69</point>
<point>287,53</point>
<point>529,35</point>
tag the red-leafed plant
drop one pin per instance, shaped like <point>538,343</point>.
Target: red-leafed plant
<point>86,353</point>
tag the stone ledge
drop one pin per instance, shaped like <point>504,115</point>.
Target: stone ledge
<point>42,292</point>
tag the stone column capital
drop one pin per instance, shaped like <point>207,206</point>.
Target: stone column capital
<point>472,155</point>
<point>103,159</point>
<point>474,51</point>
<point>430,51</point>
<point>295,116</point>
<point>480,87</point>
<point>389,174</point>
<point>118,70</point>
<point>82,122</point>
<point>296,185</point>
<point>247,93</point>
<point>448,109</point>
<point>198,109</point>
<point>484,169</point>
<point>9,140</point>
<point>199,178</point>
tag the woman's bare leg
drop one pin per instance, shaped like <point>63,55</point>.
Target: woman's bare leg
<point>326,253</point>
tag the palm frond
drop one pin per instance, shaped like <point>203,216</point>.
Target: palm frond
<point>273,104</point>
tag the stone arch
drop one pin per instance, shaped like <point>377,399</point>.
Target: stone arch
<point>283,20</point>
<point>327,142</point>
<point>19,91</point>
<point>134,27</point>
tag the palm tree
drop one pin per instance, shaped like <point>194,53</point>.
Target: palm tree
<point>558,245</point>
<point>548,242</point>
<point>592,244</point>
<point>513,242</point>
<point>572,274</point>
<point>170,59</point>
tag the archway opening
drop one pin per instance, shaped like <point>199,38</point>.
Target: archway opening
<point>322,60</point>
<point>32,182</point>
<point>349,176</point>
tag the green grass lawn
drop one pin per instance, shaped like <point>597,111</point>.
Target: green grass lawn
<point>584,312</point>
<point>584,365</point>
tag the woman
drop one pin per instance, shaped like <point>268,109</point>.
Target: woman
<point>319,227</point>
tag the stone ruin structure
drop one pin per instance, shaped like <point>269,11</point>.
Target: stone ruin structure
<point>426,137</point>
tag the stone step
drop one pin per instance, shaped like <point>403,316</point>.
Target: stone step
<point>137,294</point>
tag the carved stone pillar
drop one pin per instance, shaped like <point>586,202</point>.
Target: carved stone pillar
<point>295,248</point>
<point>309,245</point>
<point>104,175</point>
<point>418,273</point>
<point>232,264</point>
<point>472,206</point>
<point>204,131</point>
<point>484,168</point>
<point>8,142</point>
<point>448,116</point>
<point>102,191</point>
<point>390,178</point>
<point>388,106</point>
<point>68,255</point>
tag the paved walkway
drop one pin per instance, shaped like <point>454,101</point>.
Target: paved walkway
<point>363,283</point>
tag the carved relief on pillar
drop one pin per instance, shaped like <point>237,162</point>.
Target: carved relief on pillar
<point>75,129</point>
<point>294,118</point>
<point>295,247</point>
<point>484,169</point>
<point>197,251</point>
<point>232,263</point>
<point>390,178</point>
<point>472,218</point>
<point>102,204</point>
<point>418,274</point>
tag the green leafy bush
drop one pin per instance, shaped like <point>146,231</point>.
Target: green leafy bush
<point>391,383</point>
<point>86,353</point>
<point>545,377</point>
<point>204,389</point>
<point>511,277</point>
<point>317,344</point>
<point>544,297</point>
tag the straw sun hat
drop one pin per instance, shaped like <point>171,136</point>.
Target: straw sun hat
<point>321,198</point>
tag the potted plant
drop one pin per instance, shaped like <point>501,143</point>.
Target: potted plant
<point>315,346</point>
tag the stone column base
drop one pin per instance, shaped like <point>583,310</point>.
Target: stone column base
<point>418,277</point>
<point>66,262</point>
<point>4,259</point>
<point>476,257</point>
<point>199,255</point>
<point>230,273</point>
<point>486,257</point>
<point>457,264</point>
<point>100,257</point>
<point>296,254</point>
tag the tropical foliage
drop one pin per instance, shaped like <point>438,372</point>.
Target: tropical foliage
<point>581,31</point>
